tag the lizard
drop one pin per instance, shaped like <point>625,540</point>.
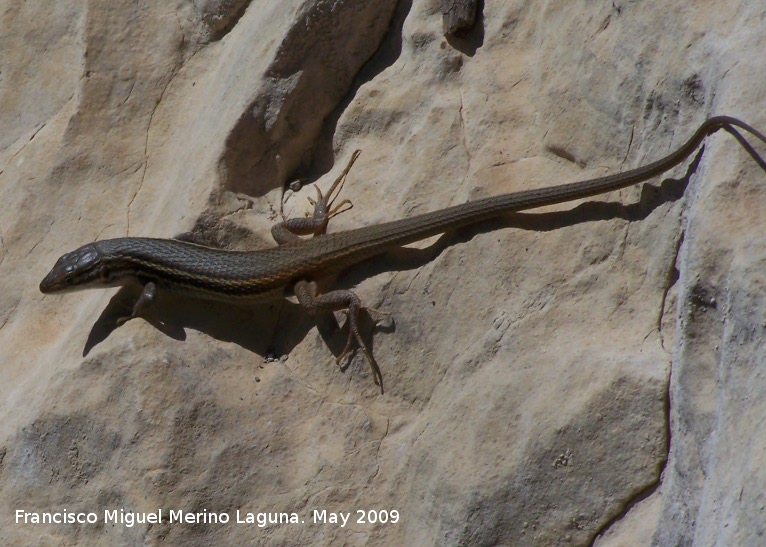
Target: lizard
<point>296,265</point>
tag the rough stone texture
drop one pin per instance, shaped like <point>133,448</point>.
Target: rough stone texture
<point>589,373</point>
<point>458,16</point>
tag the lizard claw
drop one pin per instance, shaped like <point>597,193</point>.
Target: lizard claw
<point>352,312</point>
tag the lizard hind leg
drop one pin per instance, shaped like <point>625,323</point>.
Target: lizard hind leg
<point>325,208</point>
<point>306,292</point>
<point>336,187</point>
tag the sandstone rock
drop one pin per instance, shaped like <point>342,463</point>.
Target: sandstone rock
<point>587,373</point>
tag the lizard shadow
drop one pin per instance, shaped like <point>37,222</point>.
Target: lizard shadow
<point>250,326</point>
<point>405,258</point>
<point>274,328</point>
<point>269,329</point>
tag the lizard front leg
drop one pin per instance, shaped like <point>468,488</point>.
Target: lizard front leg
<point>147,298</point>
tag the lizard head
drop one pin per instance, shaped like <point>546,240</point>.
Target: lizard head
<point>81,269</point>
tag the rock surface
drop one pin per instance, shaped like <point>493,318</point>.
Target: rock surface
<point>592,372</point>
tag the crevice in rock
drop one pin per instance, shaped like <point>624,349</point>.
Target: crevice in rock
<point>463,140</point>
<point>671,279</point>
<point>30,139</point>
<point>377,450</point>
<point>146,150</point>
<point>627,150</point>
<point>629,505</point>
